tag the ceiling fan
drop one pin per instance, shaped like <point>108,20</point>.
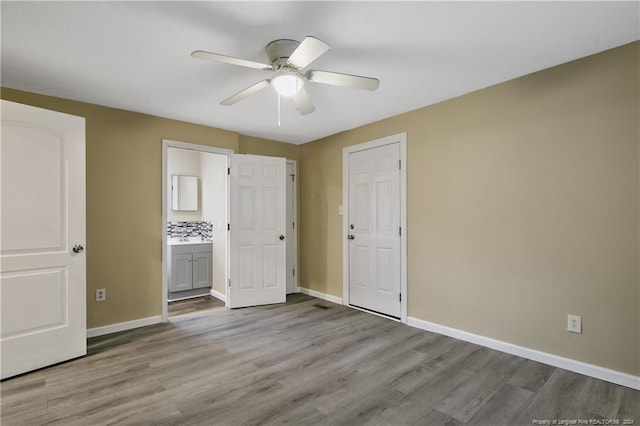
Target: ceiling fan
<point>288,58</point>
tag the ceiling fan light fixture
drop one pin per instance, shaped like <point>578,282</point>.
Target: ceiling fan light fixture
<point>287,84</point>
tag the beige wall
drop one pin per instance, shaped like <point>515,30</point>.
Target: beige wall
<point>523,207</point>
<point>124,212</point>
<point>251,145</point>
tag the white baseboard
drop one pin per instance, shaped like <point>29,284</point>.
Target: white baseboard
<point>122,326</point>
<point>591,370</point>
<point>319,295</point>
<point>218,295</point>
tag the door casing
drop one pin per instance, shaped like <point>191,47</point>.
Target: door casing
<point>401,139</point>
<point>292,240</point>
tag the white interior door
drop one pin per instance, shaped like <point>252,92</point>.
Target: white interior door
<point>291,229</point>
<point>42,279</point>
<point>257,230</point>
<point>374,229</point>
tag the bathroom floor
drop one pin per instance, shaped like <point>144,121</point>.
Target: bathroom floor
<point>192,305</point>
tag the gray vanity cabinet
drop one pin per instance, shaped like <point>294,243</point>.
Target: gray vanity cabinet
<point>202,269</point>
<point>191,267</point>
<point>181,272</point>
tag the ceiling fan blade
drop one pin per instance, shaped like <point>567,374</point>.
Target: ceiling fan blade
<point>201,54</point>
<point>308,51</point>
<point>303,102</point>
<point>246,92</point>
<point>344,80</point>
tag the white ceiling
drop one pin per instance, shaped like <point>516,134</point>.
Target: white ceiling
<point>136,55</point>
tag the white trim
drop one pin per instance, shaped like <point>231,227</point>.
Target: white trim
<point>195,147</point>
<point>227,283</point>
<point>591,370</point>
<point>218,295</point>
<point>319,295</point>
<point>122,326</point>
<point>400,138</point>
<point>168,143</point>
<point>294,163</point>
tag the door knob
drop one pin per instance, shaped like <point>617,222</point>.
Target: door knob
<point>281,237</point>
<point>351,237</point>
<point>78,248</point>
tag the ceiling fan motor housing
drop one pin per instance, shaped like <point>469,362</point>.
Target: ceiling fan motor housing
<point>280,50</point>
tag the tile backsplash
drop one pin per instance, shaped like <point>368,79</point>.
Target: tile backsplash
<point>190,229</point>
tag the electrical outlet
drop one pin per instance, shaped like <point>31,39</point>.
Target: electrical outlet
<point>101,295</point>
<point>574,323</point>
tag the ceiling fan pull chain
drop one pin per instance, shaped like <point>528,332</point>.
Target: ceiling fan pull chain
<point>278,109</point>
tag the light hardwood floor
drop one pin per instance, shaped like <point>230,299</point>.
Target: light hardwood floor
<point>304,362</point>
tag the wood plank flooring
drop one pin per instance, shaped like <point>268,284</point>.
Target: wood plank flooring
<point>187,306</point>
<point>304,362</point>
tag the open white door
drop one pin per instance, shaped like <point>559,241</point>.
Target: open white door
<point>257,213</point>
<point>42,263</point>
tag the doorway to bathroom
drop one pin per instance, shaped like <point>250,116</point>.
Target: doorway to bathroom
<point>206,252</point>
<point>196,198</point>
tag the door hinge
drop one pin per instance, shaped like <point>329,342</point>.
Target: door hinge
<point>228,170</point>
<point>400,231</point>
<point>293,225</point>
<point>294,272</point>
<point>400,297</point>
<point>228,227</point>
<point>293,178</point>
<point>399,164</point>
<point>229,281</point>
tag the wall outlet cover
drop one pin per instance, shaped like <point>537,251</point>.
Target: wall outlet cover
<point>574,323</point>
<point>101,295</point>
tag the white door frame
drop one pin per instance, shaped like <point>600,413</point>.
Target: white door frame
<point>400,138</point>
<point>167,143</point>
<point>294,163</point>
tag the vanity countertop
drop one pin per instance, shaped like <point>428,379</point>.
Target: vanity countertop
<point>175,241</point>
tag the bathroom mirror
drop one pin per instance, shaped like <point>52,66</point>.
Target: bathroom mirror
<point>184,193</point>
